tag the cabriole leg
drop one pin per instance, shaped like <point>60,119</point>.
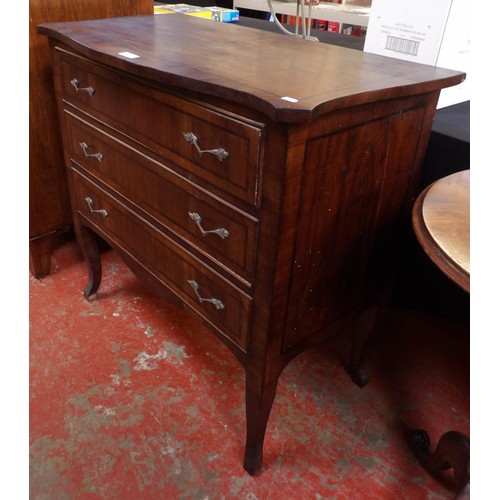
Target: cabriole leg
<point>89,246</point>
<point>259,401</point>
<point>359,346</point>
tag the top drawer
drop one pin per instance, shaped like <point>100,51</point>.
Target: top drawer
<point>209,145</point>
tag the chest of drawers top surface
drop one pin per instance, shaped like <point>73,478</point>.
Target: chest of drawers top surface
<point>269,72</point>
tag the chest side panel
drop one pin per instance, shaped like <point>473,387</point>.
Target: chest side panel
<point>354,188</point>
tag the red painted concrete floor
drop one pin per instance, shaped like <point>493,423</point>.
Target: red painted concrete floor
<point>131,398</point>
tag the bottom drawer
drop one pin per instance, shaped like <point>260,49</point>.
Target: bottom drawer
<point>217,301</point>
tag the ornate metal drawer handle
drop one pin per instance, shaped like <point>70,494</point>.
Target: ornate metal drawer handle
<point>85,148</point>
<point>216,302</point>
<point>221,232</point>
<point>219,153</point>
<point>76,85</point>
<point>90,203</point>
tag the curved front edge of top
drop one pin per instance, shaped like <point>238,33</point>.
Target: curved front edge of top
<point>288,79</point>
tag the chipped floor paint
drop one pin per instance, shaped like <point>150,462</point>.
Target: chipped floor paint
<point>132,398</point>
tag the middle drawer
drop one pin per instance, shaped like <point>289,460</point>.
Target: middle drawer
<point>222,233</point>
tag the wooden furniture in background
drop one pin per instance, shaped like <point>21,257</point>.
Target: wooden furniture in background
<point>441,220</point>
<point>50,209</point>
<point>419,283</point>
<point>237,182</point>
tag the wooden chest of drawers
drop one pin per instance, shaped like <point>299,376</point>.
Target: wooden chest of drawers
<point>264,199</point>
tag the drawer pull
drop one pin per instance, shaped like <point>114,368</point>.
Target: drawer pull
<point>85,148</point>
<point>90,203</point>
<point>219,153</point>
<point>76,85</point>
<point>216,302</point>
<point>221,232</point>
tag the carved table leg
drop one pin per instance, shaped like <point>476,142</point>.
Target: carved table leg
<point>452,451</point>
<point>89,246</point>
<point>259,401</point>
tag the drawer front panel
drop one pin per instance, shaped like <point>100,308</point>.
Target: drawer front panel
<point>224,235</point>
<point>214,147</point>
<point>225,307</point>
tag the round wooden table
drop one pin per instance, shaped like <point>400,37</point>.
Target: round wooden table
<point>441,221</point>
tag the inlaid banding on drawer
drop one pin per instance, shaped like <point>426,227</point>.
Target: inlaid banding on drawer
<point>222,233</point>
<point>213,146</point>
<point>225,307</point>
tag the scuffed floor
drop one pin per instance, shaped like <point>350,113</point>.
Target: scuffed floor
<point>131,398</point>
